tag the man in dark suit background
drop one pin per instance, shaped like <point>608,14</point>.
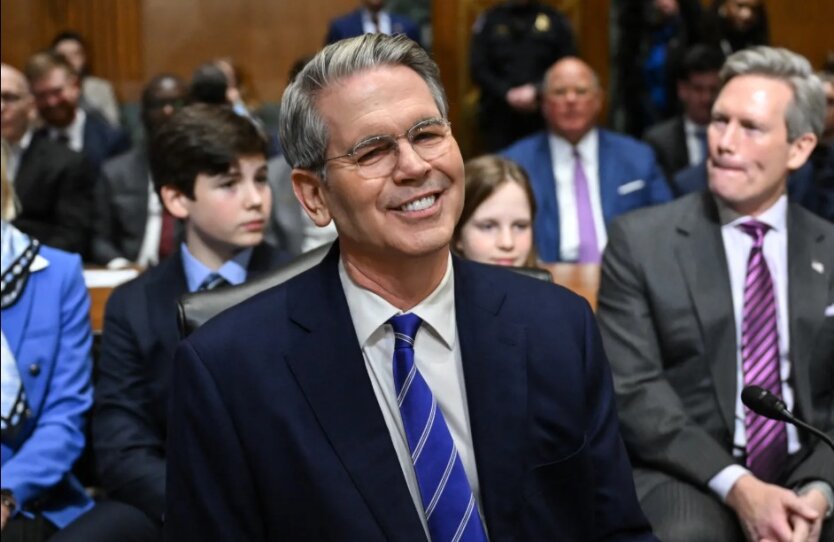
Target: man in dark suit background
<point>290,421</point>
<point>371,17</point>
<point>53,183</point>
<point>57,93</point>
<point>209,169</point>
<point>723,289</point>
<point>582,176</point>
<point>682,140</point>
<point>130,220</point>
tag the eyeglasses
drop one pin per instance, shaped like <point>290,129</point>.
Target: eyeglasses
<point>378,156</point>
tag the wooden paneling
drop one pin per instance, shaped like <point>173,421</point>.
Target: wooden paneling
<point>112,30</point>
<point>132,40</point>
<point>264,37</point>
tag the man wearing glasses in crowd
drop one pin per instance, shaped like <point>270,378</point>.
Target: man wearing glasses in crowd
<point>393,392</point>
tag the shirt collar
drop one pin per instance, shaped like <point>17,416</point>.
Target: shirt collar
<point>233,270</point>
<point>691,127</point>
<point>775,216</point>
<point>13,243</point>
<point>74,131</point>
<point>587,146</point>
<point>369,311</point>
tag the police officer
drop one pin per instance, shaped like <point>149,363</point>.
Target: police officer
<point>513,44</point>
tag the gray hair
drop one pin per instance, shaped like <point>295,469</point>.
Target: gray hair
<point>806,111</point>
<point>304,133</point>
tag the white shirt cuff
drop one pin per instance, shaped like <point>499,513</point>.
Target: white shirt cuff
<point>723,482</point>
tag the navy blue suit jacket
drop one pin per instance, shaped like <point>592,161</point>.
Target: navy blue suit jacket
<point>131,406</point>
<point>623,162</point>
<point>350,25</point>
<point>275,432</point>
<point>102,140</point>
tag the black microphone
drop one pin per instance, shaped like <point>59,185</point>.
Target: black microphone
<point>764,403</point>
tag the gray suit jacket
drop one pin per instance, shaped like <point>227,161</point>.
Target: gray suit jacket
<point>122,207</point>
<point>286,226</point>
<point>668,139</point>
<point>666,316</point>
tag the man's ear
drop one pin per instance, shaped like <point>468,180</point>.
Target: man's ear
<point>175,202</point>
<point>308,189</point>
<point>800,150</point>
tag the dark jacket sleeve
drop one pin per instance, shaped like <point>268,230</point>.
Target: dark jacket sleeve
<point>129,444</point>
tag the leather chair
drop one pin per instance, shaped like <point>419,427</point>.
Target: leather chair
<point>196,308</point>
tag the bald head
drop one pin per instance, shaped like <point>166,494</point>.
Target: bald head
<point>572,99</point>
<point>161,98</point>
<point>17,105</point>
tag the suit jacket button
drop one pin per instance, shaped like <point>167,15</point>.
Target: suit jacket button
<point>34,369</point>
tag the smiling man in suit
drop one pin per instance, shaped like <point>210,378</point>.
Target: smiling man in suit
<point>393,392</point>
<point>582,176</point>
<point>54,184</point>
<point>723,289</point>
<point>57,91</point>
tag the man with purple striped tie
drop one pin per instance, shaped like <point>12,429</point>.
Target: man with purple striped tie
<point>720,290</point>
<point>394,391</point>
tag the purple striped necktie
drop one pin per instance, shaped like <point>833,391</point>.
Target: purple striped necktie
<point>588,245</point>
<point>450,507</point>
<point>767,441</point>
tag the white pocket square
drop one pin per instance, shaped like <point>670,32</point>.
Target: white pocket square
<point>630,187</point>
<point>829,310</point>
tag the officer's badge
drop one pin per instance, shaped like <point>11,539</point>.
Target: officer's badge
<point>542,23</point>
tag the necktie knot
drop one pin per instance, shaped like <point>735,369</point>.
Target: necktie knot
<point>756,230</point>
<point>405,329</point>
<point>212,281</point>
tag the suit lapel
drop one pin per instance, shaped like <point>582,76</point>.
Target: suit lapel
<point>607,178</point>
<point>806,305</point>
<point>328,364</point>
<point>16,318</point>
<point>703,263</point>
<point>30,167</point>
<point>494,357</point>
<point>162,292</point>
<point>544,185</point>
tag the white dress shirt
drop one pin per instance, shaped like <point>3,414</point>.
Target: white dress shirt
<point>149,249</point>
<point>561,154</point>
<point>438,358</point>
<point>694,148</point>
<point>16,153</point>
<point>737,245</point>
<point>74,132</point>
<point>368,26</point>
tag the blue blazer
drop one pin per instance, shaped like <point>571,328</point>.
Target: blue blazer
<point>275,432</point>
<point>350,25</point>
<point>622,160</point>
<point>48,330</point>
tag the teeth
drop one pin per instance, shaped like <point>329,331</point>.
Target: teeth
<point>419,205</point>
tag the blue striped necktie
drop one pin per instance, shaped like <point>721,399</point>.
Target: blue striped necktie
<point>448,502</point>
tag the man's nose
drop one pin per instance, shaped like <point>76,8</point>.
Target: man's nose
<point>410,165</point>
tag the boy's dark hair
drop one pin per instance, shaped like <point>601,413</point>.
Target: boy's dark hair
<point>700,59</point>
<point>201,138</point>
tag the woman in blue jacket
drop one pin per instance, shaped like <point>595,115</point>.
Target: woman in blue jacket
<point>46,390</point>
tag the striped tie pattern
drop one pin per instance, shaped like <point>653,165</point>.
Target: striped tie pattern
<point>767,442</point>
<point>448,502</point>
<point>212,281</point>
